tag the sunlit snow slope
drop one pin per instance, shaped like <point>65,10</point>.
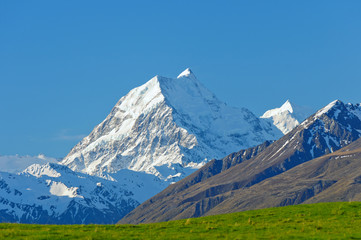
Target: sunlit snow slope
<point>168,127</point>
<point>17,164</point>
<point>288,116</point>
<point>157,134</point>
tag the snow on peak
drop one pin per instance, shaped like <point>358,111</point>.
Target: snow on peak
<point>337,108</point>
<point>38,170</point>
<point>288,116</point>
<point>327,107</point>
<point>287,106</point>
<point>187,73</point>
<point>167,122</point>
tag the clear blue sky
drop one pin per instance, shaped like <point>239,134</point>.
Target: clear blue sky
<point>64,64</point>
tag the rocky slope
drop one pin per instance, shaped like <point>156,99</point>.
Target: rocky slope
<point>329,129</point>
<point>334,177</point>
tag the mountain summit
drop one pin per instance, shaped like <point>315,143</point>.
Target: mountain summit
<point>165,127</point>
<point>288,116</point>
<point>187,73</point>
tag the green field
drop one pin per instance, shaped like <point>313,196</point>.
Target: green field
<point>315,221</point>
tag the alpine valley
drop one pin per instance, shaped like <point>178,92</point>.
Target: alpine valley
<point>170,149</point>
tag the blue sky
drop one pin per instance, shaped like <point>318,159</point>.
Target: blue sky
<point>64,64</point>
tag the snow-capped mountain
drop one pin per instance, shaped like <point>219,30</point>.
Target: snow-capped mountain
<point>158,133</point>
<point>53,194</point>
<point>288,116</point>
<point>332,127</point>
<point>165,127</point>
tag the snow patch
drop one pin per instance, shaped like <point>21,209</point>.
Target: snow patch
<point>60,189</point>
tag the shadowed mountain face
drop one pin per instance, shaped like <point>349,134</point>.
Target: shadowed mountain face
<point>330,178</point>
<point>328,130</point>
<point>215,167</point>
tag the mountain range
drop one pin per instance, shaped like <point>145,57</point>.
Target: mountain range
<point>155,155</point>
<point>328,130</point>
<point>154,136</point>
<point>53,194</point>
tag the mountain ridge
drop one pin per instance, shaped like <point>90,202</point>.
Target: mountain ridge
<point>330,178</point>
<point>326,131</point>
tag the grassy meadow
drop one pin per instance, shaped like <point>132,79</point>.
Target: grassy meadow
<point>314,221</point>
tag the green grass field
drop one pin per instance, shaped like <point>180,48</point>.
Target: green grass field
<point>315,221</point>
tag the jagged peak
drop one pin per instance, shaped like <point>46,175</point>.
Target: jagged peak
<point>288,116</point>
<point>328,107</point>
<point>287,106</point>
<point>162,105</point>
<point>187,74</point>
<point>39,170</point>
